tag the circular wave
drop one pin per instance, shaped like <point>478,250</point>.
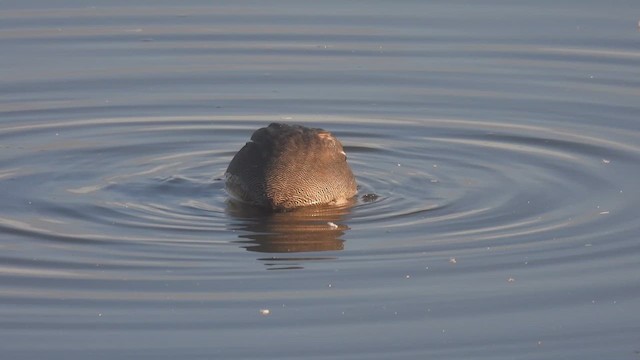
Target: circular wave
<point>437,185</point>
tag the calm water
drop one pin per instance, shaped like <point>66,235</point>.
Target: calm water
<point>501,138</point>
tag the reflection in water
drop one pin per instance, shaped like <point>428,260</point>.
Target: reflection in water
<point>317,228</point>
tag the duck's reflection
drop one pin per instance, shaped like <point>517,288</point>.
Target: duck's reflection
<point>302,230</point>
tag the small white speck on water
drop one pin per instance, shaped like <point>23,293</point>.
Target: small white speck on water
<point>453,260</point>
<point>329,285</point>
<point>591,76</point>
<point>433,181</point>
<point>604,212</point>
<point>399,164</point>
<point>100,315</point>
<point>265,312</point>
<point>606,161</point>
<point>511,280</point>
<point>57,134</point>
<point>407,276</point>
<point>435,165</point>
<point>539,343</point>
<point>332,225</point>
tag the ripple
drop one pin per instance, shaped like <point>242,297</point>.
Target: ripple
<point>462,185</point>
<point>534,187</point>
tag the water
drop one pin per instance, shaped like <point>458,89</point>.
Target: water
<point>500,138</point>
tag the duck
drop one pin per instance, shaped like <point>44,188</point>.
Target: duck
<point>284,167</point>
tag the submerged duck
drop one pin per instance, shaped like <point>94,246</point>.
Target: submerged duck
<point>284,167</point>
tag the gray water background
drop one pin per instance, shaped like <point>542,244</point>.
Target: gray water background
<point>500,137</point>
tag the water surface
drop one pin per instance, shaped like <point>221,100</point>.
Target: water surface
<point>501,140</point>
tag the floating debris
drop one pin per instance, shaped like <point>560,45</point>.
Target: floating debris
<point>369,197</point>
<point>265,312</point>
<point>332,225</point>
<point>453,260</point>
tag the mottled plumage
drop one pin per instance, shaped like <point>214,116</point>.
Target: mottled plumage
<point>289,166</point>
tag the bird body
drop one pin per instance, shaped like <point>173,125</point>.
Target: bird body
<point>284,167</point>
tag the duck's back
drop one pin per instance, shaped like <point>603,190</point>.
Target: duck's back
<point>288,166</point>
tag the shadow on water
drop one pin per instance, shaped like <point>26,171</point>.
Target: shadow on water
<point>318,228</point>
